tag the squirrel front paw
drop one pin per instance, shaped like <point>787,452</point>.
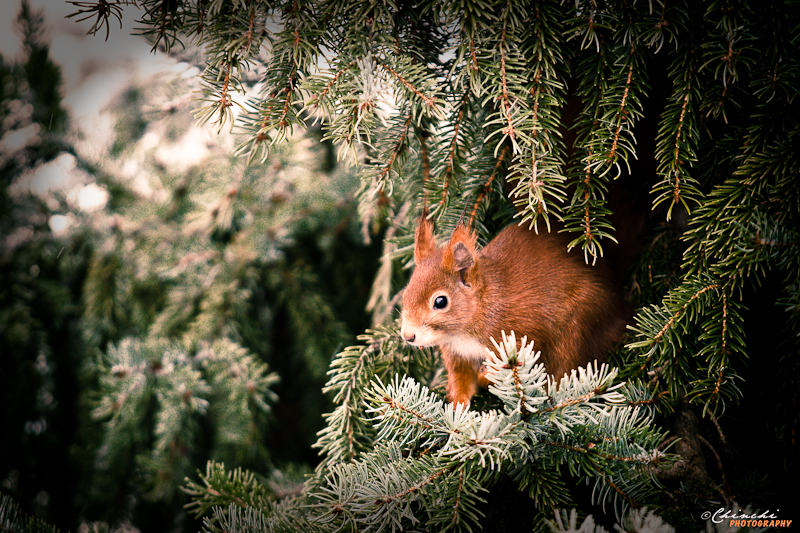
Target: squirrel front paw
<point>483,380</point>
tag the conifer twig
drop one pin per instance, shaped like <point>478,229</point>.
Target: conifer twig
<point>328,86</point>
<point>675,316</point>
<point>622,111</point>
<point>506,106</point>
<point>487,186</point>
<point>451,154</point>
<point>430,102</point>
<point>398,146</point>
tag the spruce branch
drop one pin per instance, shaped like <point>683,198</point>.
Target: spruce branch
<point>487,187</point>
<point>673,312</point>
<point>422,136</point>
<point>382,303</point>
<point>622,111</point>
<point>103,10</point>
<point>586,422</point>
<point>378,177</point>
<point>320,100</point>
<point>347,434</point>
<point>505,105</point>
<point>454,148</point>
<point>157,380</point>
<point>602,127</point>
<point>378,491</point>
<point>729,56</point>
<point>429,101</point>
<point>707,303</point>
<point>677,187</point>
<point>219,100</point>
<point>220,487</point>
<point>539,170</point>
<point>507,121</point>
<point>740,238</point>
<point>518,372</point>
<point>472,23</point>
<point>294,52</point>
<point>460,158</point>
<point>287,516</point>
<point>14,520</point>
<point>679,131</point>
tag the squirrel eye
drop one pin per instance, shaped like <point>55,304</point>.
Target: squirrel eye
<point>440,302</point>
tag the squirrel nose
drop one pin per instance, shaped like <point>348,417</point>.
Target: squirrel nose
<point>409,337</point>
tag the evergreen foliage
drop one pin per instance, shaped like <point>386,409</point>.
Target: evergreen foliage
<point>431,463</point>
<point>484,113</point>
<point>181,318</point>
<point>38,293</point>
<point>187,300</point>
<point>12,519</point>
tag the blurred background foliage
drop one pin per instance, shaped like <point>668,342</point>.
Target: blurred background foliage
<point>166,308</point>
<point>156,315</point>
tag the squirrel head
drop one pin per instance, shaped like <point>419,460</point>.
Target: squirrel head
<point>441,299</point>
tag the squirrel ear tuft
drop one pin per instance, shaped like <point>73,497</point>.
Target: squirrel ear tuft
<point>464,236</point>
<point>462,251</point>
<point>424,243</point>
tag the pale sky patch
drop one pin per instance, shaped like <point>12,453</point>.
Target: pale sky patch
<point>18,139</point>
<point>190,150</point>
<point>60,224</point>
<point>92,198</point>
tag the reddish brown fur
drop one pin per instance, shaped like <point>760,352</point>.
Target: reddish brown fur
<point>519,282</point>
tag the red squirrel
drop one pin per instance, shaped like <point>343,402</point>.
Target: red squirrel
<point>459,297</point>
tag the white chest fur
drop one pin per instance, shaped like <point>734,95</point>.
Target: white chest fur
<point>467,348</point>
